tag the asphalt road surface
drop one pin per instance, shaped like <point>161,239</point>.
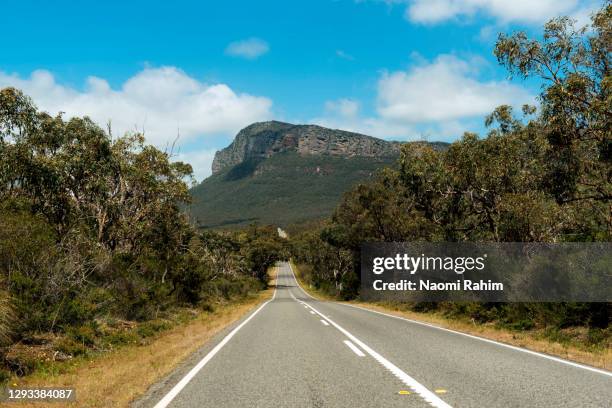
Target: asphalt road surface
<point>295,351</point>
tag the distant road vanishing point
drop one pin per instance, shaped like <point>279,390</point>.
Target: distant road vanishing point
<point>296,351</point>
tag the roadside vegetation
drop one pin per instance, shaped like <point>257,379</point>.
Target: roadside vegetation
<point>544,175</point>
<point>118,378</point>
<point>95,251</point>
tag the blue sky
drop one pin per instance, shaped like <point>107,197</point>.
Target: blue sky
<point>397,69</point>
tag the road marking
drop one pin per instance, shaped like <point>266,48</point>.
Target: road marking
<point>324,322</point>
<point>511,347</point>
<point>354,348</point>
<point>311,312</point>
<point>404,392</point>
<point>420,389</point>
<point>298,283</point>
<point>163,403</point>
<point>440,391</point>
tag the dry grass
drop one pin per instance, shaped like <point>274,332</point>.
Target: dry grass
<point>530,340</point>
<point>117,378</point>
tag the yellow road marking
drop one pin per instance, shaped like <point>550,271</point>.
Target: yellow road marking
<point>404,392</point>
<point>440,391</point>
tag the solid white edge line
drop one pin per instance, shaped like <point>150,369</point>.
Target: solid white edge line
<point>163,403</point>
<point>509,346</point>
<point>354,348</point>
<point>324,322</point>
<point>298,283</point>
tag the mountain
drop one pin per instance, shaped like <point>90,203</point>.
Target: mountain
<point>280,173</point>
<point>262,140</point>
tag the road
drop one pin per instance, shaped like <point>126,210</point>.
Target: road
<point>295,351</point>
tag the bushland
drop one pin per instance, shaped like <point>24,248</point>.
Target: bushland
<point>95,249</point>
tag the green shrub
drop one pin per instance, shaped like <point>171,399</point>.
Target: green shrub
<point>207,307</point>
<point>22,361</point>
<point>597,336</point>
<point>72,347</point>
<point>5,376</point>
<point>122,337</point>
<point>6,319</point>
<point>520,325</point>
<point>148,329</point>
<point>85,335</point>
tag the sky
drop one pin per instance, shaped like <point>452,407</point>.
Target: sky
<point>199,71</point>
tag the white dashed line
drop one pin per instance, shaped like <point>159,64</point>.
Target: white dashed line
<point>419,388</point>
<point>354,348</point>
<point>324,322</point>
<point>416,386</point>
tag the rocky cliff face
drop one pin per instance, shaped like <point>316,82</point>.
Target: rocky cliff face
<point>262,140</point>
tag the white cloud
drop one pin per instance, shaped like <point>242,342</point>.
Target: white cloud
<point>438,100</point>
<point>250,48</point>
<point>368,126</point>
<point>582,14</point>
<point>347,108</point>
<point>163,101</point>
<point>200,160</point>
<point>432,11</point>
<point>445,89</point>
<point>344,55</point>
<point>487,34</point>
<point>345,114</point>
<point>504,11</point>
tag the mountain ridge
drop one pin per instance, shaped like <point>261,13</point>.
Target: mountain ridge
<point>261,140</point>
